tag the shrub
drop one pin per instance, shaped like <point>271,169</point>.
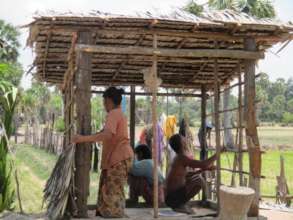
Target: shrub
<point>287,118</point>
<point>59,125</point>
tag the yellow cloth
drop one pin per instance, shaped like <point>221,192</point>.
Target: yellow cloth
<point>170,125</point>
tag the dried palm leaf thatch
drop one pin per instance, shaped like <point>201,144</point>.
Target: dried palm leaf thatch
<point>59,189</point>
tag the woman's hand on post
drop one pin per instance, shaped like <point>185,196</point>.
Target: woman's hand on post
<point>76,138</point>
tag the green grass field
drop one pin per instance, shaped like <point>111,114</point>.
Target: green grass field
<point>276,136</point>
<point>35,166</point>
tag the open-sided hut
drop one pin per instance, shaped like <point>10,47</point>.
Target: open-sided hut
<point>77,51</point>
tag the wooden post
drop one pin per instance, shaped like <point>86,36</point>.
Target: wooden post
<point>217,128</point>
<point>240,129</point>
<point>66,119</point>
<point>203,141</point>
<point>251,129</point>
<point>203,145</point>
<point>132,116</point>
<point>83,124</point>
<point>154,122</point>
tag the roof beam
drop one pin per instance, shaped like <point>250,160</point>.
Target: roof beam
<point>191,34</point>
<point>158,94</point>
<point>188,53</point>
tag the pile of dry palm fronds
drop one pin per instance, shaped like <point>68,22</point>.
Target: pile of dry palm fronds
<point>59,189</point>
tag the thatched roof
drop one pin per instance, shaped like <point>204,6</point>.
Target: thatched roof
<point>52,35</point>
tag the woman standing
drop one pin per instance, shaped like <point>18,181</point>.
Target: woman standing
<point>117,156</point>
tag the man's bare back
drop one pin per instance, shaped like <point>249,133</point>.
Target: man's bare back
<point>177,176</point>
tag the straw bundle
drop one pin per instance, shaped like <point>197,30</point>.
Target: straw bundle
<point>59,189</point>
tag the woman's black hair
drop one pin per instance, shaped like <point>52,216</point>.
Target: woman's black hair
<point>114,94</point>
<point>175,142</point>
<point>144,150</point>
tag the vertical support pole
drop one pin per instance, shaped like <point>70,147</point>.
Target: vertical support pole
<point>217,129</point>
<point>83,79</point>
<point>251,129</point>
<point>240,125</point>
<point>203,142</point>
<point>132,116</point>
<point>154,122</point>
<point>64,99</point>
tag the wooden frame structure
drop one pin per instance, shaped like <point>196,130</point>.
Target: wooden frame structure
<point>76,51</point>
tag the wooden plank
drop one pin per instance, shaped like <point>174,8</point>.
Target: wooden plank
<point>195,53</point>
<point>154,124</point>
<point>251,128</point>
<point>83,124</point>
<point>132,116</point>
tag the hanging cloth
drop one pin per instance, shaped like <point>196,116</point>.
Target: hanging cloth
<point>170,125</point>
<point>160,143</point>
<point>124,104</point>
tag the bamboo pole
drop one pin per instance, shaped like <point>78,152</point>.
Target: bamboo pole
<point>217,128</point>
<point>203,147</point>
<point>132,116</point>
<point>240,131</point>
<point>154,122</point>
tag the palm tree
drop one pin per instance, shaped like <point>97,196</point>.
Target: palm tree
<point>257,8</point>
<point>9,42</point>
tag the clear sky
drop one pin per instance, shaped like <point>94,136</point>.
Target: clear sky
<point>20,12</point>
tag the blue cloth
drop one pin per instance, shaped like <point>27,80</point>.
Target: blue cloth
<point>124,104</point>
<point>144,168</point>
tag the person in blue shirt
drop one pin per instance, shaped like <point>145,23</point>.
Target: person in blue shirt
<point>140,178</point>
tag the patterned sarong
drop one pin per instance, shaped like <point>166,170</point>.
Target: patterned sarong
<point>111,198</point>
<point>139,186</point>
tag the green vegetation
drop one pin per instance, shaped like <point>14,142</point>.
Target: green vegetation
<point>270,169</point>
<point>8,101</point>
<point>276,136</point>
<point>34,167</point>
<point>258,8</point>
<point>276,99</point>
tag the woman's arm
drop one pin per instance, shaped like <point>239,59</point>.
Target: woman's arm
<point>98,137</point>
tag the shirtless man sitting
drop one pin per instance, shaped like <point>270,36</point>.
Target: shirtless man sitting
<point>181,186</point>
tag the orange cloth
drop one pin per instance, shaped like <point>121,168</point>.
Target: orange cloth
<point>118,147</point>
